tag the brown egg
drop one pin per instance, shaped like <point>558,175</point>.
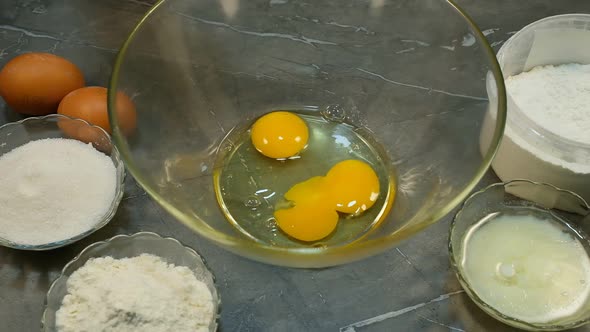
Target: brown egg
<point>35,83</point>
<point>82,131</point>
<point>90,104</point>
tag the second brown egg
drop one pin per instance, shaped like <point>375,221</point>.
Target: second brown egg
<point>90,104</point>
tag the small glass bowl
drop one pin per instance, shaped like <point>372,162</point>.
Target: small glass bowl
<point>15,134</point>
<point>122,246</point>
<point>500,197</point>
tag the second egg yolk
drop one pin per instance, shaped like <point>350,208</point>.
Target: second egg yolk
<point>354,186</point>
<point>351,187</point>
<point>279,134</point>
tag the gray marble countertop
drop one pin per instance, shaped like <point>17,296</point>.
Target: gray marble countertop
<point>409,288</point>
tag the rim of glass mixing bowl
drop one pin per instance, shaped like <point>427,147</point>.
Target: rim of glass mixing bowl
<point>357,250</point>
<point>472,294</point>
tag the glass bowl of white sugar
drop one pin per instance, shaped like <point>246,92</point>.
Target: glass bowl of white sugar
<point>65,181</point>
<point>139,282</point>
<point>546,67</point>
<point>521,252</point>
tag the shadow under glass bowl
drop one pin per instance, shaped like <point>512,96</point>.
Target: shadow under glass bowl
<point>413,74</point>
<point>518,194</point>
<point>123,246</point>
<point>15,134</point>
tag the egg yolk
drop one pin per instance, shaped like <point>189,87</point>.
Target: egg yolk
<point>310,219</point>
<point>279,135</point>
<point>307,222</point>
<point>350,186</point>
<point>310,190</point>
<point>354,186</point>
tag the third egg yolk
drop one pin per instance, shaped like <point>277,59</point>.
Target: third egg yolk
<point>279,134</point>
<point>313,216</point>
<point>353,186</point>
<point>310,190</point>
<point>307,222</point>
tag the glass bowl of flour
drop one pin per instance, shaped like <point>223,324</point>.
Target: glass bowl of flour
<point>66,181</point>
<point>546,67</point>
<point>139,282</point>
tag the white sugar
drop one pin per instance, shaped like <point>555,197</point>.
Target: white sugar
<point>53,189</point>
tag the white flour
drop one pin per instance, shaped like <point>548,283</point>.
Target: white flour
<point>141,293</point>
<point>557,98</point>
<point>53,189</point>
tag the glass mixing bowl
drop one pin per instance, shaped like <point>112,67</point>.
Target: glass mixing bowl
<point>411,73</point>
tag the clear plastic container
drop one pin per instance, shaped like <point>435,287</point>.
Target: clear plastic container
<point>529,150</point>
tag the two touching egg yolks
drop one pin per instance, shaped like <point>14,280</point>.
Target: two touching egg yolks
<point>351,187</point>
<point>279,135</point>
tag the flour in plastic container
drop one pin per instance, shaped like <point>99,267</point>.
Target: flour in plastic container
<point>555,97</point>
